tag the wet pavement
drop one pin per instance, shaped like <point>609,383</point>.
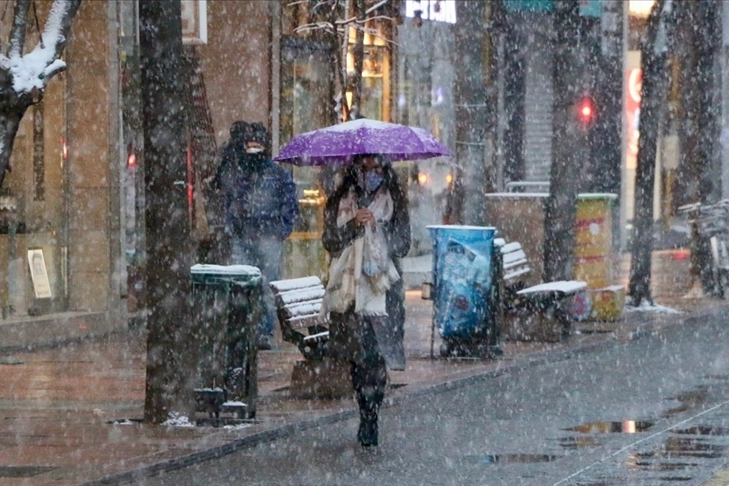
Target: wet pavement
<point>70,414</point>
<point>646,412</point>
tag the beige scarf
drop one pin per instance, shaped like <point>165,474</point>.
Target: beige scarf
<point>364,271</point>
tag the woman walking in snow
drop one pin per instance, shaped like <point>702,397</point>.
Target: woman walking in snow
<point>366,232</point>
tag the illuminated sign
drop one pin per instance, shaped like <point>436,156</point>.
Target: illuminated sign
<point>438,10</point>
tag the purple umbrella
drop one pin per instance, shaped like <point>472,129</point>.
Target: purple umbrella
<point>338,144</point>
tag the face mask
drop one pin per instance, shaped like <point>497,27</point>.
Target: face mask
<point>254,150</point>
<point>372,181</point>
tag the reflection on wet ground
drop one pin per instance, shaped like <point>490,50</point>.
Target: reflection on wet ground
<point>703,430</point>
<point>578,442</point>
<point>593,331</point>
<point>510,458</point>
<point>642,462</point>
<point>611,482</point>
<point>719,377</point>
<point>10,361</point>
<point>687,447</point>
<point>690,399</point>
<point>23,471</point>
<point>624,427</point>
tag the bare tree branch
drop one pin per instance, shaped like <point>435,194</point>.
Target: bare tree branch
<point>17,31</point>
<point>355,20</point>
<point>315,26</point>
<point>376,6</point>
<point>347,21</point>
<point>65,10</point>
<point>31,72</point>
<point>358,55</point>
<point>23,77</point>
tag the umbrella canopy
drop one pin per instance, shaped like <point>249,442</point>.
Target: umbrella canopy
<point>339,144</point>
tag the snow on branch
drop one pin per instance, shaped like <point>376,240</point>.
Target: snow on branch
<point>33,70</point>
<point>375,7</point>
<point>315,26</point>
<point>19,27</point>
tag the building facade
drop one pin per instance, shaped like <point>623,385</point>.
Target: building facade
<point>60,252</point>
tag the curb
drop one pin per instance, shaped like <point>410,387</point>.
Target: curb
<point>401,396</point>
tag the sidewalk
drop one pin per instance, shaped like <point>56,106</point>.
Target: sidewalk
<point>70,414</point>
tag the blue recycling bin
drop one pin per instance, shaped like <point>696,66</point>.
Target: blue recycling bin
<point>463,273</point>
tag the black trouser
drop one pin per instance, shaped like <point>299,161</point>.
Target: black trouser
<point>369,374</point>
<point>369,378</point>
<point>355,334</point>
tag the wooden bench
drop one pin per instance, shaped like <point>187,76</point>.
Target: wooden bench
<point>298,306</point>
<point>298,303</point>
<point>540,312</point>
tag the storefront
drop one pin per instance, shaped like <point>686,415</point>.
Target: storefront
<point>59,206</point>
<point>307,102</point>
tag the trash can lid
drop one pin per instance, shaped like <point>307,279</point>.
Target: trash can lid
<point>597,195</point>
<point>246,270</point>
<point>225,274</point>
<point>458,227</point>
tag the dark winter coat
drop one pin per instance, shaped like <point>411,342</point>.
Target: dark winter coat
<point>350,333</point>
<point>259,195</point>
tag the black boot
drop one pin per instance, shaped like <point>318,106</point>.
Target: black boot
<point>369,406</point>
<point>367,435</point>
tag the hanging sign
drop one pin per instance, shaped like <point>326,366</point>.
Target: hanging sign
<point>194,22</point>
<point>591,8</point>
<point>588,8</point>
<point>39,274</point>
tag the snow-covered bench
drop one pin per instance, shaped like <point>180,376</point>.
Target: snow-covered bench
<point>298,302</point>
<point>541,312</point>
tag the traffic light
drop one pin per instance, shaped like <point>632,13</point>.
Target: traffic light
<point>586,111</point>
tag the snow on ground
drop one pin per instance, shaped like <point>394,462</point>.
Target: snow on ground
<point>177,420</point>
<point>646,307</point>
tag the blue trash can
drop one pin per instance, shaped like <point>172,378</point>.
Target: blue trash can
<point>463,273</point>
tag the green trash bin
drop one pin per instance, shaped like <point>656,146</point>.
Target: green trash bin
<point>226,305</point>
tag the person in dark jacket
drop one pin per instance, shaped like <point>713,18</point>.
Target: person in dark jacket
<point>260,209</point>
<point>366,232</point>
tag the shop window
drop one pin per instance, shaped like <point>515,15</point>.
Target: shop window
<point>306,104</point>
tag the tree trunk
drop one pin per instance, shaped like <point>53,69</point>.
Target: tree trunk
<point>166,211</point>
<point>707,111</point>
<point>9,123</point>
<point>655,80</point>
<point>608,149</point>
<point>358,56</point>
<point>473,133</point>
<point>568,139</point>
<point>514,79</point>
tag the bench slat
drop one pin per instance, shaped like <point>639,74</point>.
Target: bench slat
<point>317,337</point>
<point>298,307</point>
<point>300,295</point>
<point>305,321</point>
<point>303,309</point>
<point>510,247</point>
<point>516,266</point>
<point>562,287</point>
<point>295,283</point>
<point>517,273</point>
<point>515,256</point>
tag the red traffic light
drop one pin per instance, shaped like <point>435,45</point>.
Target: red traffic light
<point>586,111</point>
